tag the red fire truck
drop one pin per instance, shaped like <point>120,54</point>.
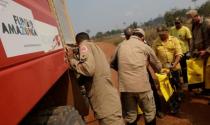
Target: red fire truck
<point>35,84</point>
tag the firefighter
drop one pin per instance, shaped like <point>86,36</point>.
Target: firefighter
<point>133,56</point>
<point>114,62</point>
<point>201,43</point>
<point>103,97</point>
<point>184,35</point>
<point>128,32</point>
<point>168,50</point>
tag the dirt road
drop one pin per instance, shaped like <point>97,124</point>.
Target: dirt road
<point>194,109</point>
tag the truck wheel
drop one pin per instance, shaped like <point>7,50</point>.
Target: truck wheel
<point>62,115</point>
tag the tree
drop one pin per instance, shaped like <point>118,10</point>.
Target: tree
<point>169,18</point>
<point>172,14</point>
<point>133,25</point>
<point>205,9</point>
<point>99,34</point>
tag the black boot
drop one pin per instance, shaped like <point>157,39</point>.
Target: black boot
<point>160,114</point>
<point>153,122</point>
<point>134,123</point>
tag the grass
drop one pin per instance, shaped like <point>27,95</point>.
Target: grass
<point>151,35</point>
<point>114,39</point>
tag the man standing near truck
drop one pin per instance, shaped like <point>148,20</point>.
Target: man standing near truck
<point>133,56</point>
<point>104,98</point>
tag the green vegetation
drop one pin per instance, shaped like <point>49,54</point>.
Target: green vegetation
<point>115,37</point>
<point>172,14</point>
<point>107,34</point>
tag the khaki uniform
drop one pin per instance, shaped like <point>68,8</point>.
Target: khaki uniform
<point>132,58</point>
<point>104,98</point>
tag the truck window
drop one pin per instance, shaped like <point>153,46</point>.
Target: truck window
<point>65,26</point>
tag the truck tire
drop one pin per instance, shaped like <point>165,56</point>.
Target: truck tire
<point>62,115</point>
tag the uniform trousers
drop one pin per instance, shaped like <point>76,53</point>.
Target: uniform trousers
<point>146,102</point>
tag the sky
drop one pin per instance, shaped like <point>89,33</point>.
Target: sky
<point>104,15</point>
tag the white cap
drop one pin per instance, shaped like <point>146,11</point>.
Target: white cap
<point>192,13</point>
<point>139,30</point>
